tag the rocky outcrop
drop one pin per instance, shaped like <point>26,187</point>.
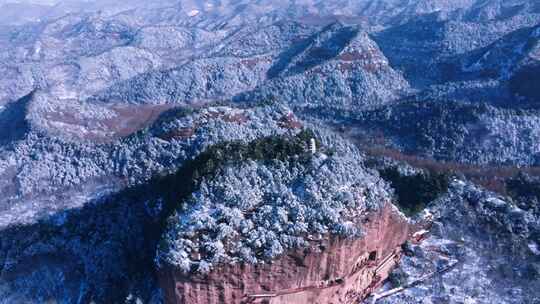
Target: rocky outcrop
<point>329,270</point>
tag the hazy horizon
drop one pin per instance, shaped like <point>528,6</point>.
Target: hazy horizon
<point>41,2</point>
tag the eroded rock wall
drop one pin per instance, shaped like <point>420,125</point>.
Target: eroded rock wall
<point>331,270</point>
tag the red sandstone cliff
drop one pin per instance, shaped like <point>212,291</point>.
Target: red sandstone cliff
<point>329,271</point>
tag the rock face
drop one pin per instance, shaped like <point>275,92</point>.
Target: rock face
<point>330,270</point>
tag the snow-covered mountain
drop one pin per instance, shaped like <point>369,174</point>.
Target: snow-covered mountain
<point>106,105</point>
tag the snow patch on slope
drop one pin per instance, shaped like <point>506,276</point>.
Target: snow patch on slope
<point>193,13</point>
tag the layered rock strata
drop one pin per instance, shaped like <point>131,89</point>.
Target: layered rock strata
<point>330,270</point>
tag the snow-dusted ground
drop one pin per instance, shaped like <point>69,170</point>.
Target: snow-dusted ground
<point>489,237</point>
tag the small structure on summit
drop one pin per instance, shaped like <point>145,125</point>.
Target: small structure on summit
<point>312,146</point>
